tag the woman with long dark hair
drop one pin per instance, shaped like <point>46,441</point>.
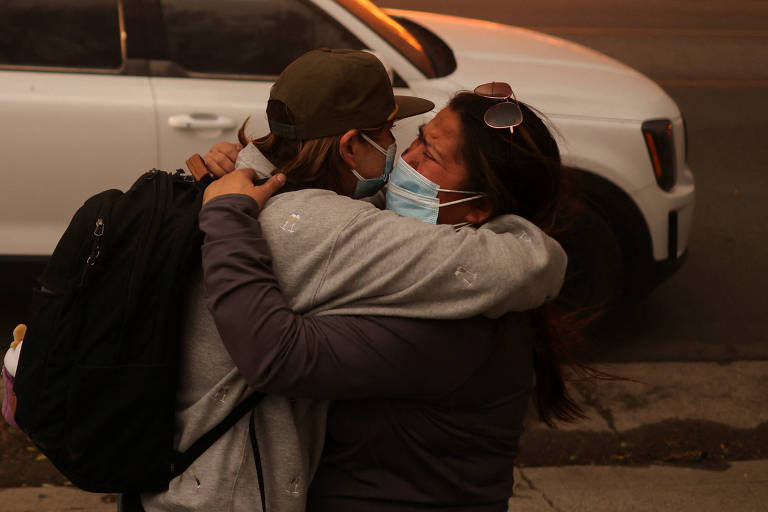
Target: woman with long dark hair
<point>519,170</point>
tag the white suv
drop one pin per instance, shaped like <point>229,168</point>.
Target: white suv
<point>94,92</point>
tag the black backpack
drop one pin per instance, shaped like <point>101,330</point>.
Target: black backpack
<point>97,378</point>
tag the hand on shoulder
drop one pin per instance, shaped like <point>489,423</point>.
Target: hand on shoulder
<point>240,181</point>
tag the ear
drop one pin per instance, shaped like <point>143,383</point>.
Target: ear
<point>348,148</point>
<point>480,212</point>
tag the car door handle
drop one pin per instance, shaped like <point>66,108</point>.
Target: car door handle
<point>201,121</point>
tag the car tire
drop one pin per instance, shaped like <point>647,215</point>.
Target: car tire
<point>595,278</point>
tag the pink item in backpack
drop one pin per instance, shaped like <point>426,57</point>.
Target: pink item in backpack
<point>9,399</point>
<point>10,366</point>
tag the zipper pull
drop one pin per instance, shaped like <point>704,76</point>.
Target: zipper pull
<point>98,232</point>
<point>99,229</point>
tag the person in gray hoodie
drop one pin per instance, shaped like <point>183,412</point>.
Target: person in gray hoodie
<point>337,254</point>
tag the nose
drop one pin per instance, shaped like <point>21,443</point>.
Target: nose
<point>412,156</point>
<point>411,159</point>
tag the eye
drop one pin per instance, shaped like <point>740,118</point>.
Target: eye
<point>423,144</point>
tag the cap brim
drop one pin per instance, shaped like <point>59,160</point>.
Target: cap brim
<point>411,106</point>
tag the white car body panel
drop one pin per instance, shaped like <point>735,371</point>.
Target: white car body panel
<point>66,121</point>
<point>231,99</point>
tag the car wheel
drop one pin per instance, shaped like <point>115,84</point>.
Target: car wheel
<point>594,279</point>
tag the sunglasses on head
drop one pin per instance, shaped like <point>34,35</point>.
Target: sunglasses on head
<point>506,114</point>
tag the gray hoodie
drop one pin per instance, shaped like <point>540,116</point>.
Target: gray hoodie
<point>336,255</point>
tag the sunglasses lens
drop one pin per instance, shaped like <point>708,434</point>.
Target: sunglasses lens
<point>503,115</point>
<point>496,90</point>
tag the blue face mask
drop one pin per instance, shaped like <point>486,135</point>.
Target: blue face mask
<point>410,194</point>
<point>368,186</point>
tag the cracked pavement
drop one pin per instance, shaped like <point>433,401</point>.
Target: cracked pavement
<point>673,436</point>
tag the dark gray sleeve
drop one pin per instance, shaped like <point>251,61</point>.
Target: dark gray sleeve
<point>332,357</point>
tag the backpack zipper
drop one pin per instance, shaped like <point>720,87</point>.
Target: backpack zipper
<point>98,232</point>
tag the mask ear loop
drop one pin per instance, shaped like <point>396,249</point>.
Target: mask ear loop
<point>354,172</point>
<point>389,155</point>
<point>461,191</point>
<point>373,143</point>
<point>379,148</point>
<point>449,203</point>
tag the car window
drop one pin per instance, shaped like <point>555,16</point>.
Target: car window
<point>52,33</point>
<point>247,37</point>
<point>439,53</point>
<point>392,32</point>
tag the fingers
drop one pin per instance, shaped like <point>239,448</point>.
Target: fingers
<point>230,150</point>
<point>214,167</point>
<point>239,181</point>
<point>221,158</point>
<point>263,192</point>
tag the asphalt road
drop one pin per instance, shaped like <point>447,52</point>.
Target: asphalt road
<point>712,58</point>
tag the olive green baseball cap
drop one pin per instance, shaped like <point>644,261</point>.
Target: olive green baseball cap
<point>331,91</point>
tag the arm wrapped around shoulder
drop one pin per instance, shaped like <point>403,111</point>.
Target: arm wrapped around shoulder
<point>335,255</point>
<point>536,264</point>
<point>385,264</point>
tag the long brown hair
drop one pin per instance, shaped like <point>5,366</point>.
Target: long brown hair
<point>311,163</point>
<point>521,173</point>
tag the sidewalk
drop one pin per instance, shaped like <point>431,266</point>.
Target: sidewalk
<point>684,437</point>
<point>742,488</point>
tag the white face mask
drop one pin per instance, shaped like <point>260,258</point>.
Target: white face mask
<point>410,194</point>
<point>368,186</point>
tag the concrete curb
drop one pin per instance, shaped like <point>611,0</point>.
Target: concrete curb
<point>741,488</point>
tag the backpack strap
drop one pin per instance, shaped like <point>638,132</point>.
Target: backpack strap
<point>257,460</point>
<point>182,461</point>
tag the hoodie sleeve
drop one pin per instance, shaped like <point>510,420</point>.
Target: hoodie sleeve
<point>336,255</point>
<point>385,264</point>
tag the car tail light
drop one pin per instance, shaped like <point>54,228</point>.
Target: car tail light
<point>661,149</point>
